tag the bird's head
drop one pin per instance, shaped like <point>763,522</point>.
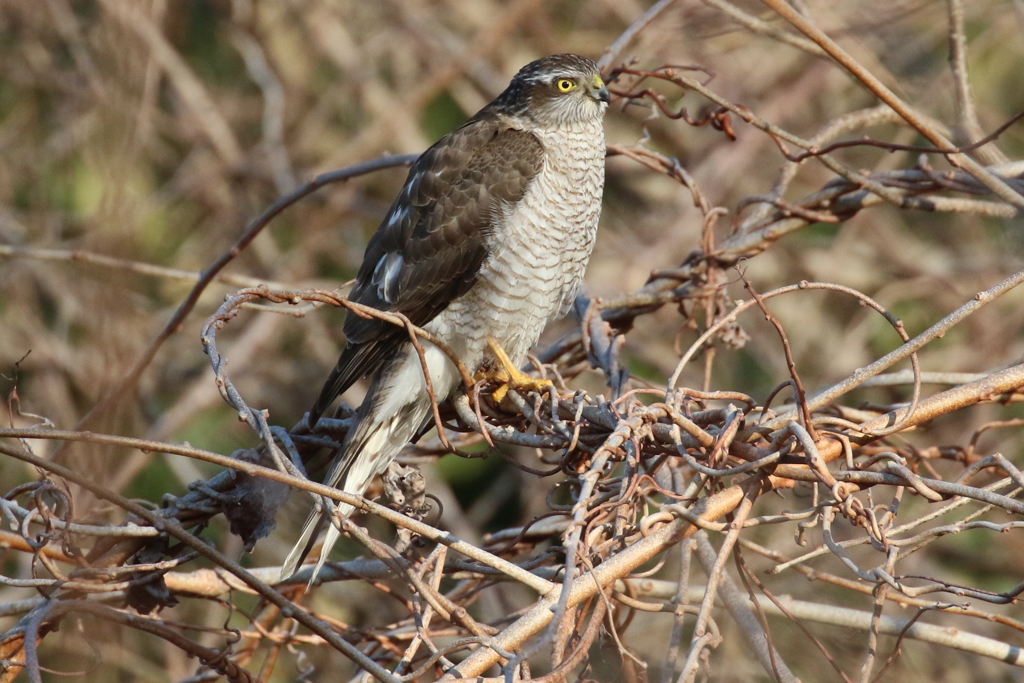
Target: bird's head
<point>556,90</point>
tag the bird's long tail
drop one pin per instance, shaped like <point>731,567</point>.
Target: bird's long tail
<point>393,411</point>
<point>375,442</point>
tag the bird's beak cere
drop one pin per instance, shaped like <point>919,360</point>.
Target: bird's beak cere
<point>599,91</point>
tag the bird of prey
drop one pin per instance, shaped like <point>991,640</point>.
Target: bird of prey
<point>486,243</point>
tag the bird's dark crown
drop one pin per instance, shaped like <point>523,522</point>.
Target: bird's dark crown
<point>546,68</point>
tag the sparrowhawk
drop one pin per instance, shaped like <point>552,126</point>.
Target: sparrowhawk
<point>486,243</point>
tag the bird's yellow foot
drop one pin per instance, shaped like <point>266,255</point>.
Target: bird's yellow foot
<point>508,375</point>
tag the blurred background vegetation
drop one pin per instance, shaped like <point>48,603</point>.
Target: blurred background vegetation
<point>152,131</point>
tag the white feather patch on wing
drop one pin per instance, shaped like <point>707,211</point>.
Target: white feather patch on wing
<point>386,276</point>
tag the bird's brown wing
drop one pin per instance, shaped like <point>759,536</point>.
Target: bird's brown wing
<point>432,242</point>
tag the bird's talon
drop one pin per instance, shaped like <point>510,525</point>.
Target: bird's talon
<point>521,382</point>
<point>509,376</point>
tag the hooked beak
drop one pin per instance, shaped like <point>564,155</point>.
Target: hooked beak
<point>599,91</point>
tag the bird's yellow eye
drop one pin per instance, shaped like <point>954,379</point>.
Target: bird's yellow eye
<point>565,85</point>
